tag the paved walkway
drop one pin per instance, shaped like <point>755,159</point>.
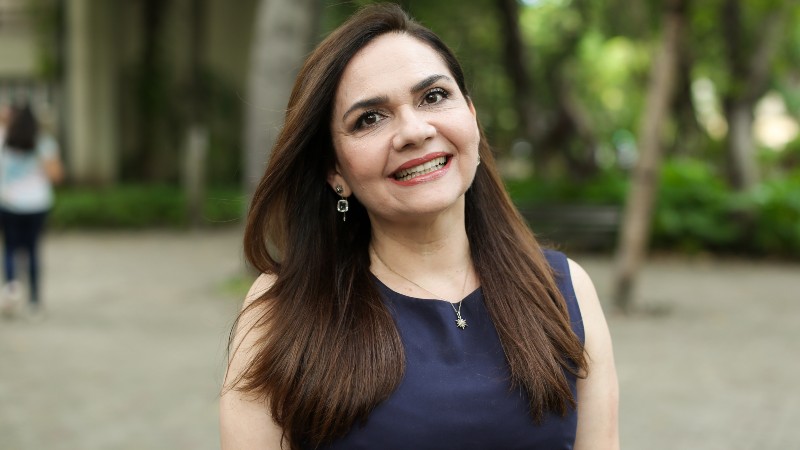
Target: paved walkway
<point>131,353</point>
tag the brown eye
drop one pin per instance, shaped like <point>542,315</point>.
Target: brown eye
<point>368,119</point>
<point>434,96</point>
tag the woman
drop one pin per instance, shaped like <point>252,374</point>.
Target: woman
<point>403,302</point>
<point>29,164</point>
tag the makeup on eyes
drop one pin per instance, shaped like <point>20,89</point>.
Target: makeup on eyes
<point>440,93</point>
<point>374,101</point>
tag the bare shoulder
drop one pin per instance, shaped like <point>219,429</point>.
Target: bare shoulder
<point>598,393</point>
<point>245,421</point>
<point>584,291</point>
<point>598,339</point>
<point>261,285</point>
<point>246,333</point>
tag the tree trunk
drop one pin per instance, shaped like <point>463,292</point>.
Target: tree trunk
<point>690,136</point>
<point>91,90</point>
<point>741,152</point>
<point>196,139</point>
<point>582,162</point>
<point>515,59</point>
<point>750,77</point>
<point>153,162</point>
<point>635,231</point>
<point>568,134</point>
<point>283,34</point>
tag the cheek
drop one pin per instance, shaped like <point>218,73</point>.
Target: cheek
<point>470,134</point>
<point>476,136</point>
<point>361,164</point>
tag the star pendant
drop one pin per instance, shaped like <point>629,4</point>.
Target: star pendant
<point>461,323</point>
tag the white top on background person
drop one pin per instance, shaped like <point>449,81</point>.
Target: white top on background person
<point>25,186</point>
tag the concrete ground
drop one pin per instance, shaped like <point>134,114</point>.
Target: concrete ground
<point>132,350</point>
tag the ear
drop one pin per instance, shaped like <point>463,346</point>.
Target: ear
<point>335,178</point>
<point>471,107</point>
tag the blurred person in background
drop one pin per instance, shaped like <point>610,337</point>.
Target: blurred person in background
<point>29,166</point>
<point>404,303</point>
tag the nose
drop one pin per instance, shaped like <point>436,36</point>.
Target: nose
<point>412,129</point>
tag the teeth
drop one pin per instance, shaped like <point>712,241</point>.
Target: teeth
<point>422,169</point>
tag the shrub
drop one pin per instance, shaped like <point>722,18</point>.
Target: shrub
<point>694,209</point>
<point>139,206</point>
<point>774,209</point>
<point>608,188</point>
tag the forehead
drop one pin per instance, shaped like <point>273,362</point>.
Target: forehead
<point>389,61</point>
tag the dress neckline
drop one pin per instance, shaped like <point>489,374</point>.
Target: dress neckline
<point>389,290</point>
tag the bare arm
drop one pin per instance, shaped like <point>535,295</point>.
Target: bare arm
<point>47,149</point>
<point>53,169</point>
<point>245,423</point>
<point>598,393</point>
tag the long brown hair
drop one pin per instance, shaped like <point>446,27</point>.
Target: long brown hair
<point>332,352</point>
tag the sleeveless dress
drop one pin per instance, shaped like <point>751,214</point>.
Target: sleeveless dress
<point>456,393</point>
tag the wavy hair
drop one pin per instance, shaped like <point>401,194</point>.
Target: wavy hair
<point>332,351</point>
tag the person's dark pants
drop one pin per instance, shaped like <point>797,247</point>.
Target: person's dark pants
<point>23,232</point>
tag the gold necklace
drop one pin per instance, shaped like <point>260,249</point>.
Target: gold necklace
<point>460,322</point>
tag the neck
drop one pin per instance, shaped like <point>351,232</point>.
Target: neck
<point>424,258</point>
<point>439,244</point>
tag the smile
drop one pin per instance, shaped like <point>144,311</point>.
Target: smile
<point>422,169</point>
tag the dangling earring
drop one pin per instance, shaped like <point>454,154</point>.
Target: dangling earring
<point>342,206</point>
<point>479,159</point>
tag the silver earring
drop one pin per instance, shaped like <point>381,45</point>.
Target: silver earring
<point>342,205</point>
<point>479,159</point>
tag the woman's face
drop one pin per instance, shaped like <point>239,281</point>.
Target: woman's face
<point>406,139</point>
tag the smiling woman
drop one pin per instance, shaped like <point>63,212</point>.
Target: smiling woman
<point>430,318</point>
<point>407,144</point>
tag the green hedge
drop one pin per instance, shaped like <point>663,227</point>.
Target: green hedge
<point>140,206</point>
<point>695,210</point>
<point>698,211</point>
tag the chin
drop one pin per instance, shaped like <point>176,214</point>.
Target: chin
<point>437,204</point>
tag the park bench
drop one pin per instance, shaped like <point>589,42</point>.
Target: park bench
<point>574,226</point>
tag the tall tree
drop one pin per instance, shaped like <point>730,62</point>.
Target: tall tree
<point>152,95</point>
<point>635,230</point>
<point>516,63</point>
<point>283,34</point>
<point>555,119</point>
<point>196,140</point>
<point>749,58</point>
<point>690,135</point>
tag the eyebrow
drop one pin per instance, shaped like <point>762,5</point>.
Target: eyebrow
<point>427,82</point>
<point>364,104</point>
<point>375,101</point>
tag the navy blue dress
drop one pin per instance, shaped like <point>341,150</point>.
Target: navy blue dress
<point>455,393</point>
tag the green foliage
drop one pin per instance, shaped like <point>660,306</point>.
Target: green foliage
<point>591,57</point>
<point>224,120</point>
<point>695,211</point>
<point>605,71</point>
<point>608,188</point>
<point>774,208</point>
<point>139,206</point>
<point>46,18</point>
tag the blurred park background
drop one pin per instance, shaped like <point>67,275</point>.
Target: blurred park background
<point>623,128</point>
<point>157,100</point>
